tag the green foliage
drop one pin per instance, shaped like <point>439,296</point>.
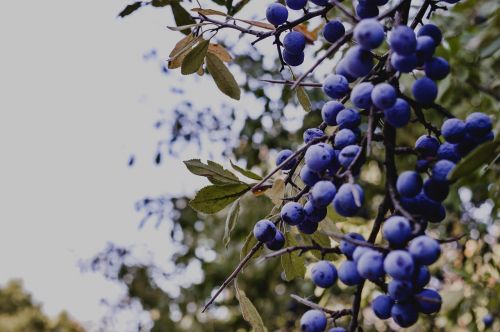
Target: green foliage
<point>485,154</point>
<point>19,313</point>
<point>194,59</point>
<point>248,310</point>
<point>214,198</point>
<point>222,77</point>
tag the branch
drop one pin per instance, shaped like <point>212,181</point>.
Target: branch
<point>233,275</point>
<point>303,249</point>
<point>334,314</point>
<point>258,186</point>
<point>287,82</point>
<point>451,239</point>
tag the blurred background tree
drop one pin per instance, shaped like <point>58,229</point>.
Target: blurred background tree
<point>467,274</point>
<point>20,313</point>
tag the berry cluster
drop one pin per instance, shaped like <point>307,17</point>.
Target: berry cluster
<point>332,163</point>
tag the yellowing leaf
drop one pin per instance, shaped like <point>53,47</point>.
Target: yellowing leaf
<point>248,310</point>
<point>303,99</point>
<point>277,192</point>
<point>208,12</point>
<point>194,59</point>
<point>220,52</point>
<point>263,25</point>
<point>180,50</point>
<point>222,76</point>
<point>310,36</point>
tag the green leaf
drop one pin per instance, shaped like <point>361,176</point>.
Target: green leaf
<point>239,6</point>
<point>292,263</point>
<point>130,9</point>
<point>214,172</point>
<point>484,154</point>
<point>303,99</point>
<point>232,217</point>
<point>181,16</point>
<point>246,172</point>
<point>162,3</point>
<point>250,242</point>
<point>490,49</point>
<point>214,198</point>
<point>188,26</point>
<point>222,76</point>
<point>248,310</point>
<point>194,59</point>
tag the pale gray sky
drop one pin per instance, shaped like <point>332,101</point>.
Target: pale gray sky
<point>76,99</point>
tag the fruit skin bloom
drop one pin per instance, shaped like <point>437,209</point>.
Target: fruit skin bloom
<point>361,95</point>
<point>437,68</point>
<point>329,112</point>
<point>424,250</point>
<point>409,184</point>
<point>369,33</point>
<point>313,321</point>
<point>344,202</point>
<point>264,230</point>
<point>333,31</point>
<point>324,274</point>
<point>478,124</point>
<point>425,91</point>
<point>296,4</point>
<point>276,13</point>
<point>382,306</point>
<point>453,130</point>
<point>398,115</point>
<point>402,40</point>
<point>294,42</point>
<point>384,96</point>
<point>336,86</point>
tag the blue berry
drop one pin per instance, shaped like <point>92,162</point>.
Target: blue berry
<point>314,214</point>
<point>371,265</point>
<point>294,42</point>
<point>399,264</point>
<point>429,208</point>
<point>308,176</point>
<point>366,11</point>
<point>427,146</point>
<point>358,252</point>
<point>404,63</point>
<point>409,184</point>
<point>329,112</point>
<point>293,59</point>
<point>283,155</point>
<point>345,203</point>
<point>348,118</point>
<point>488,320</point>
<point>347,248</point>
<point>264,230</point>
<point>424,250</point>
<point>421,277</point>
<point>425,49</point>
<point>436,190</point>
<point>397,230</point>
<point>398,115</point>
<point>428,301</point>
<point>425,91</point>
<point>422,165</point>
<point>344,138</point>
<point>441,170</point>
<point>361,95</point>
<point>296,4</point>
<point>348,155</point>
<point>341,69</point>
<point>276,13</point>
<point>312,133</point>
<point>293,213</point>
<point>313,321</point>
<point>384,95</point>
<point>437,68</point>
<point>405,314</point>
<point>369,33</point>
<point>336,86</point>
<point>358,62</point>
<point>402,40</point>
<point>333,31</point>
<point>324,274</point>
<point>277,243</point>
<point>485,138</point>
<point>453,130</point>
<point>337,329</point>
<point>308,226</point>
<point>432,31</point>
<point>322,193</point>
<point>319,156</point>
<point>348,273</point>
<point>382,306</point>
<point>400,290</point>
<point>478,124</point>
